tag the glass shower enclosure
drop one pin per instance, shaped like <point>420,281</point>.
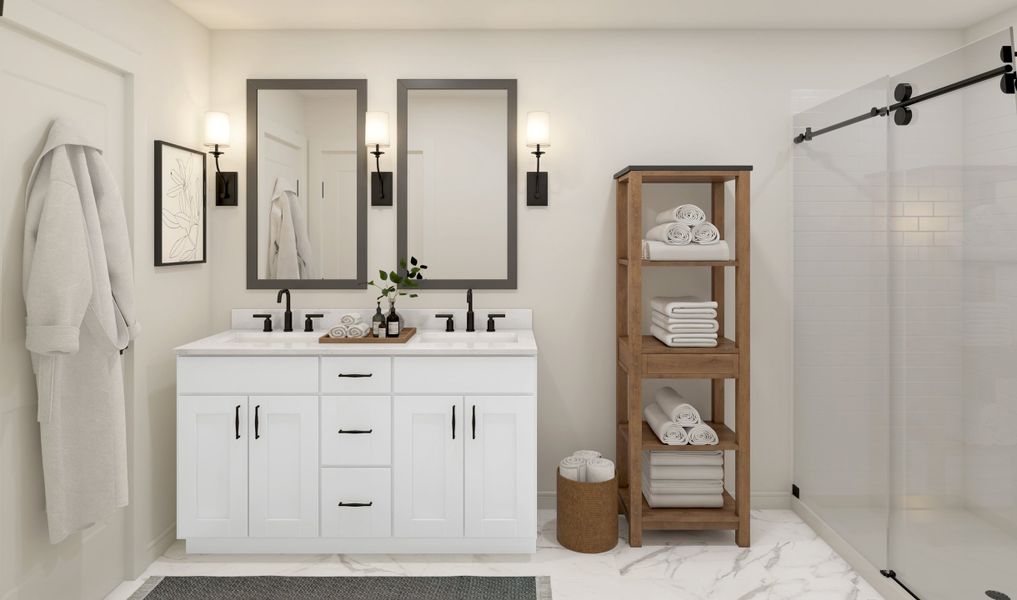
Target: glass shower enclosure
<point>905,318</point>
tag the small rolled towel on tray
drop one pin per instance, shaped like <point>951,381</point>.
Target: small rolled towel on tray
<point>667,431</point>
<point>338,332</point>
<point>674,234</point>
<point>350,319</point>
<point>686,213</point>
<point>358,330</point>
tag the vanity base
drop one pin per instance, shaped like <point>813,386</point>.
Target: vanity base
<point>361,546</point>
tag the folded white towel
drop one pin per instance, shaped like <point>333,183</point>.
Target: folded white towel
<point>599,469</point>
<point>689,213</point>
<point>683,500</point>
<point>675,407</point>
<point>654,250</point>
<point>682,340</point>
<point>587,454</point>
<point>682,472</point>
<point>573,467</point>
<point>705,234</point>
<point>358,330</point>
<point>350,319</point>
<point>681,306</point>
<point>339,331</point>
<point>702,434</point>
<point>675,234</point>
<point>694,326</point>
<point>715,458</point>
<point>667,430</point>
<point>688,486</point>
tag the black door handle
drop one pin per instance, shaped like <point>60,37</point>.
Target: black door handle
<point>474,421</point>
<point>356,504</point>
<point>355,431</point>
<point>236,421</point>
<point>453,421</point>
<point>257,435</point>
<point>356,375</point>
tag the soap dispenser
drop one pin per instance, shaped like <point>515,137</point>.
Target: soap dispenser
<point>378,322</point>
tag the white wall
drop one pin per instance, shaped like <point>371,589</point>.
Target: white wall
<point>172,88</point>
<point>991,25</point>
<point>615,98</point>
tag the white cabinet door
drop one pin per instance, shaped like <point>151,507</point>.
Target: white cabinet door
<point>283,445</point>
<point>500,469</point>
<point>212,466</point>
<point>428,466</point>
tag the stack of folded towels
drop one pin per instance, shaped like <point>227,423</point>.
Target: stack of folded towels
<point>685,322</point>
<point>350,325</point>
<point>683,233</point>
<point>681,479</point>
<point>587,466</point>
<point>677,422</point>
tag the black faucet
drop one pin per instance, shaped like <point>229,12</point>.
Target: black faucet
<point>288,315</point>
<point>469,310</point>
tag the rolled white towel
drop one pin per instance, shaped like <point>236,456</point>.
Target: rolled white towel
<point>691,459</point>
<point>675,234</point>
<point>350,319</point>
<point>667,430</point>
<point>587,454</point>
<point>705,234</point>
<point>702,435</point>
<point>682,340</point>
<point>675,407</point>
<point>358,330</point>
<point>339,332</point>
<point>687,213</point>
<point>573,467</point>
<point>599,469</point>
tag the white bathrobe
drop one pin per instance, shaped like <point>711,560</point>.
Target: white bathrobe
<point>79,296</point>
<point>289,248</point>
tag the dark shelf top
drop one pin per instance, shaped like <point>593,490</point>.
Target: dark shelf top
<point>682,168</point>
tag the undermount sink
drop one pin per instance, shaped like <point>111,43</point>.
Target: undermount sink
<point>463,337</point>
<point>282,337</point>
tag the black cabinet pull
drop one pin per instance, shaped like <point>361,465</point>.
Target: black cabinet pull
<point>236,421</point>
<point>356,504</point>
<point>355,431</point>
<point>474,419</point>
<point>257,435</point>
<point>356,375</point>
<point>453,421</point>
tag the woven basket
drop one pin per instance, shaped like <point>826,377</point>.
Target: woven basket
<point>587,515</point>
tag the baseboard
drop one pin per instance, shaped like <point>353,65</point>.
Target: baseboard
<point>886,587</point>
<point>760,500</point>
<point>158,546</point>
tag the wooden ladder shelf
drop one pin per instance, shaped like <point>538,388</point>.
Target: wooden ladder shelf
<point>641,356</point>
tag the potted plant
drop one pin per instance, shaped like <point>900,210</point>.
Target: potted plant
<point>394,285</point>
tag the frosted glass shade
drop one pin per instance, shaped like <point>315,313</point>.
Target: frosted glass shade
<point>217,129</point>
<point>376,129</point>
<point>538,129</point>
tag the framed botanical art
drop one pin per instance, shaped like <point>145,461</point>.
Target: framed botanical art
<point>179,205</point>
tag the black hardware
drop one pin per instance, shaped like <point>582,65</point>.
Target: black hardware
<point>355,375</point>
<point>450,324</point>
<point>453,421</point>
<point>268,321</point>
<point>355,431</point>
<point>490,320</point>
<point>996,595</point>
<point>1,8</point>
<point>1006,54</point>
<point>225,184</point>
<point>356,504</point>
<point>474,424</point>
<point>309,321</point>
<point>795,491</point>
<point>536,186</point>
<point>236,421</point>
<point>903,117</point>
<point>469,310</point>
<point>890,574</point>
<point>288,315</point>
<point>378,180</point>
<point>257,424</point>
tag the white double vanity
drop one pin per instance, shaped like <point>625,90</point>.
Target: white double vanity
<point>287,445</point>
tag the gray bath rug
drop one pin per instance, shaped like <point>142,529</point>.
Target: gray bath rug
<point>345,588</point>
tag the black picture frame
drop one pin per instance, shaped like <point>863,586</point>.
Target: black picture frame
<point>183,216</point>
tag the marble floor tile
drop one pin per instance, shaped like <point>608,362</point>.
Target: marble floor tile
<point>787,560</point>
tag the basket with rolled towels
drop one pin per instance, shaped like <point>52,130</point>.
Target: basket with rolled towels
<point>684,322</point>
<point>683,233</point>
<point>587,502</point>
<point>676,422</point>
<point>350,325</point>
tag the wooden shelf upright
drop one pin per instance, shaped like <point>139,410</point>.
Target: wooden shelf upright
<point>640,356</point>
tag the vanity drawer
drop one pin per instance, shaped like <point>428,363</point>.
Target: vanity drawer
<point>356,430</point>
<point>356,503</point>
<point>247,375</point>
<point>356,375</point>
<point>465,375</point>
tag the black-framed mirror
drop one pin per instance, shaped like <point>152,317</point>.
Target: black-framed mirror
<point>306,183</point>
<point>456,183</point>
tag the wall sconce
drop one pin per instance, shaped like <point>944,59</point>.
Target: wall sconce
<point>217,135</point>
<point>538,133</point>
<point>376,134</point>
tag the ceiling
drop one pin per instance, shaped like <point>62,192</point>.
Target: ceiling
<point>592,14</point>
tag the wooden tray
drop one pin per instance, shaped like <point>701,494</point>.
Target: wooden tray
<point>404,336</point>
